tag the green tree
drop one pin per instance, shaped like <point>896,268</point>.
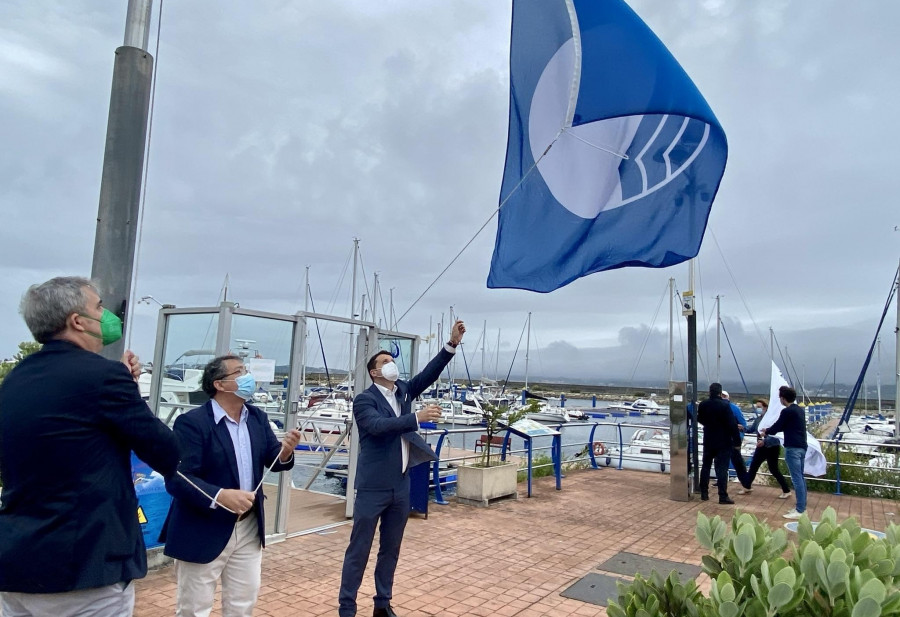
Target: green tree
<point>26,348</point>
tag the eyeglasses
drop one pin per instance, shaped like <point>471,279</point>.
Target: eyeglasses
<point>239,372</point>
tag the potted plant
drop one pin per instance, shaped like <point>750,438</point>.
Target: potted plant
<point>491,478</point>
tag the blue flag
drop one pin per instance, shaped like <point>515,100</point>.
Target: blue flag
<point>613,158</point>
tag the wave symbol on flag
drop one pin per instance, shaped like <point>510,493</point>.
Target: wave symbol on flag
<point>614,157</point>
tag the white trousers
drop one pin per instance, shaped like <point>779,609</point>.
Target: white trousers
<point>110,601</point>
<point>239,566</point>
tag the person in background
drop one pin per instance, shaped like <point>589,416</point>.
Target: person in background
<point>720,434</point>
<point>738,414</point>
<point>767,449</point>
<point>792,422</point>
<point>737,459</point>
<point>70,540</point>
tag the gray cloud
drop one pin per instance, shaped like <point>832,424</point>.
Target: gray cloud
<point>283,130</point>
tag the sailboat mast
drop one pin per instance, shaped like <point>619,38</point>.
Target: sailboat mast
<point>897,363</point>
<point>350,374</point>
<point>375,300</point>
<point>878,371</point>
<point>497,359</point>
<point>483,345</point>
<point>718,339</point>
<point>527,346</point>
<point>671,322</point>
<point>305,331</point>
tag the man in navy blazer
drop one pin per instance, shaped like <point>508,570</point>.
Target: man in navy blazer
<point>216,523</point>
<point>388,446</point>
<point>70,540</point>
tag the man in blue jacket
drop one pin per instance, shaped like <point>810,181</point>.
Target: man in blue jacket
<point>70,540</point>
<point>388,446</point>
<point>737,459</point>
<point>792,422</point>
<point>216,525</point>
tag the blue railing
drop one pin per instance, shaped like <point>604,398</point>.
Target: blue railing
<point>595,449</point>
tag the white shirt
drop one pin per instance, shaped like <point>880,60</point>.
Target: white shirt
<point>391,397</point>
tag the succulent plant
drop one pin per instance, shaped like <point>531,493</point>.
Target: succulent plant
<point>837,570</point>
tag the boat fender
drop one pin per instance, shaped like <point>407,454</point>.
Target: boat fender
<point>599,448</point>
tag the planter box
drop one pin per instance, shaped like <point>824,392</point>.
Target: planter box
<point>480,486</point>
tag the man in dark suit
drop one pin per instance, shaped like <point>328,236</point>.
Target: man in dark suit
<point>720,436</point>
<point>388,446</point>
<point>216,526</point>
<point>70,540</point>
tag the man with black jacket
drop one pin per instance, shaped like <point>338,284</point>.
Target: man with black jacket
<point>720,436</point>
<point>792,422</point>
<point>70,540</point>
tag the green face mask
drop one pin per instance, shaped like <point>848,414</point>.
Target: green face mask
<point>110,327</point>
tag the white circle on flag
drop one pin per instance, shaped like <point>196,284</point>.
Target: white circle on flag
<point>580,171</point>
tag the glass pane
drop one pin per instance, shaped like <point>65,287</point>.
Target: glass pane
<point>265,346</point>
<point>401,350</point>
<point>190,344</point>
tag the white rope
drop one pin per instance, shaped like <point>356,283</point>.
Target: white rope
<point>218,503</point>
<point>207,495</point>
<point>480,229</point>
<point>762,339</point>
<point>598,147</point>
<point>146,174</point>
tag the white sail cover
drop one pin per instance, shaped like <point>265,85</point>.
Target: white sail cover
<point>815,459</point>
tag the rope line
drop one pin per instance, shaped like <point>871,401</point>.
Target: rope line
<point>480,229</point>
<point>738,289</point>
<point>146,176</point>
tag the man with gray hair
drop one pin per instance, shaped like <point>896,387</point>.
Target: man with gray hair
<point>70,541</point>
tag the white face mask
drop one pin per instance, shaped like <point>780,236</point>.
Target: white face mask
<point>390,371</point>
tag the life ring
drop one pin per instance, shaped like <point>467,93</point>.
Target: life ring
<point>599,448</point>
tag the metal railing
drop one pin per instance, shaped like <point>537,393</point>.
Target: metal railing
<point>614,440</point>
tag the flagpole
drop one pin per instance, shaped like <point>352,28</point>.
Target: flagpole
<point>689,312</point>
<point>897,363</point>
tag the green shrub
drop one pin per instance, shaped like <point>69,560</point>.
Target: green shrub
<point>837,570</point>
<point>854,468</point>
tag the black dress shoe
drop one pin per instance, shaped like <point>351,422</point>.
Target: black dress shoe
<point>704,497</point>
<point>725,500</point>
<point>387,611</point>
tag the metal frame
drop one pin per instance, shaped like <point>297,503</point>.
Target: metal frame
<point>368,339</point>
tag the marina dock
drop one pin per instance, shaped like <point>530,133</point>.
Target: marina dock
<point>514,558</point>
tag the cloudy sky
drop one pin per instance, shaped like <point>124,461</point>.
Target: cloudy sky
<point>284,129</point>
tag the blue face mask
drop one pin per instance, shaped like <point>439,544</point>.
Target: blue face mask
<point>246,386</point>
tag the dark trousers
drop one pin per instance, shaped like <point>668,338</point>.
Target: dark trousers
<point>391,508</point>
<point>721,458</point>
<point>737,461</point>
<point>770,456</point>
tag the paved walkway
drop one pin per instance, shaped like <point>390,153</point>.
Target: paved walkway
<point>513,558</point>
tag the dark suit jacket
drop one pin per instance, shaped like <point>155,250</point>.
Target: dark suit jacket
<point>69,419</point>
<point>379,465</point>
<point>720,428</point>
<point>193,531</point>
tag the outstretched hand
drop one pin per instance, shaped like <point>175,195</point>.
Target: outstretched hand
<point>456,333</point>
